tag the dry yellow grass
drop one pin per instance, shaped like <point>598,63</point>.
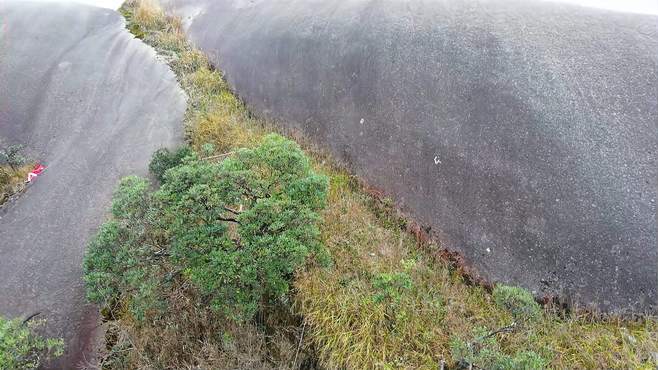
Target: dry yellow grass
<point>352,331</point>
<point>12,182</point>
<point>349,320</point>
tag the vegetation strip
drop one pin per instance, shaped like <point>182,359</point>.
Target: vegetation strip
<point>378,301</point>
<point>13,172</point>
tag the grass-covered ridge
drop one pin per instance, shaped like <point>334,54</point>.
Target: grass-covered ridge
<point>384,301</point>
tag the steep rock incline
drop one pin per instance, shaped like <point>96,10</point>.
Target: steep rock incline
<point>522,132</point>
<point>92,103</point>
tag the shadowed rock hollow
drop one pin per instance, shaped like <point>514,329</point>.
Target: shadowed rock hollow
<point>92,103</point>
<point>523,133</point>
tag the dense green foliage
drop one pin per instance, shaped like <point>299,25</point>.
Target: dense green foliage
<point>164,159</point>
<point>22,348</point>
<point>237,229</point>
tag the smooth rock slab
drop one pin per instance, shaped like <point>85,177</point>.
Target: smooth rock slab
<point>523,133</point>
<point>92,103</point>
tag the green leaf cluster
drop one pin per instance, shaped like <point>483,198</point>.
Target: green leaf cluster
<point>237,230</point>
<point>22,348</point>
<point>164,159</point>
<point>390,287</point>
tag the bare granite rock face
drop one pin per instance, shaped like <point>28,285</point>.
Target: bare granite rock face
<point>91,103</point>
<point>524,133</point>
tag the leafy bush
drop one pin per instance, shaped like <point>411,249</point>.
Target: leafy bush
<point>122,256</point>
<point>164,159</point>
<point>12,155</point>
<point>237,229</point>
<point>519,302</point>
<point>22,348</point>
<point>391,286</point>
<point>484,352</point>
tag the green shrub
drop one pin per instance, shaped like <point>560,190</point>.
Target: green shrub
<point>22,348</point>
<point>124,256</point>
<point>164,159</point>
<point>484,352</point>
<point>101,273</point>
<point>237,229</point>
<point>391,286</point>
<point>519,302</point>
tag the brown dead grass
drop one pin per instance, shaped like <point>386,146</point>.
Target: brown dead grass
<point>193,338</point>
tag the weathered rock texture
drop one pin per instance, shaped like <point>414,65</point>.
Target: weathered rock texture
<point>91,103</point>
<point>523,133</point>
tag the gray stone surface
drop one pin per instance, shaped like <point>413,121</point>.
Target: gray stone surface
<point>523,133</point>
<point>92,103</point>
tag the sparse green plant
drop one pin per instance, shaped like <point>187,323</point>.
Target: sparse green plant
<point>4,177</point>
<point>22,348</point>
<point>13,156</point>
<point>12,181</point>
<point>391,286</point>
<point>518,301</point>
<point>485,352</point>
<point>188,62</point>
<point>207,150</point>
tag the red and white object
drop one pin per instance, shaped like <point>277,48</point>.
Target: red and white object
<point>36,171</point>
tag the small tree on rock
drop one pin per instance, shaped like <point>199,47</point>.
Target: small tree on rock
<point>237,229</point>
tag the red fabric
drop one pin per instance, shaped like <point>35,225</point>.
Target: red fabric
<point>38,168</point>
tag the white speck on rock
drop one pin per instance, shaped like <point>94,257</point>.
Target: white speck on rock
<point>362,121</point>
